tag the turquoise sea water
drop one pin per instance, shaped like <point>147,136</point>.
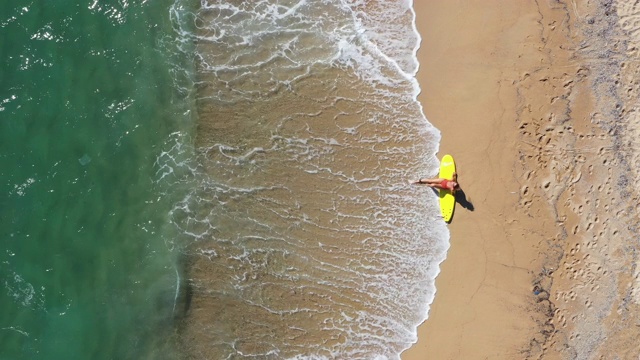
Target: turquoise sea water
<point>127,235</point>
<point>87,98</point>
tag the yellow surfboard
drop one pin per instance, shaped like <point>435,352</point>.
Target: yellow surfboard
<point>447,199</point>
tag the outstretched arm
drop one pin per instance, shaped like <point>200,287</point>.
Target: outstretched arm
<point>422,181</point>
<point>429,182</point>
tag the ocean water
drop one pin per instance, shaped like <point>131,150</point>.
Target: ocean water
<point>89,96</point>
<point>302,236</point>
<point>214,180</point>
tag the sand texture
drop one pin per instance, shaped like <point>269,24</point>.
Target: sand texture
<point>538,103</point>
<point>304,227</point>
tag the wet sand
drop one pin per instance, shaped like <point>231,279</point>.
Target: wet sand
<point>301,229</point>
<point>537,103</point>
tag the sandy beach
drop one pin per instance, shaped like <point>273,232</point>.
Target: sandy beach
<point>537,102</point>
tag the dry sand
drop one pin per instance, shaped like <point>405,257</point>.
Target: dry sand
<point>537,101</point>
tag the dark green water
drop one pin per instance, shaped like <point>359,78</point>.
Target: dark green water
<point>88,97</point>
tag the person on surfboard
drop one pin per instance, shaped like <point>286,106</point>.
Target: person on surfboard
<point>440,183</point>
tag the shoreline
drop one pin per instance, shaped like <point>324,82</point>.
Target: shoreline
<point>462,78</point>
<point>531,114</point>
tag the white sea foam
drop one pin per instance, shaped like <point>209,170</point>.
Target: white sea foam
<point>22,292</point>
<point>296,186</point>
<point>21,189</point>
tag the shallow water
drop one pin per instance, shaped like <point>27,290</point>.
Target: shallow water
<point>305,239</point>
<point>218,180</point>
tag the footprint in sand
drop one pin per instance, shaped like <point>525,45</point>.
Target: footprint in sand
<point>588,303</point>
<point>575,249</point>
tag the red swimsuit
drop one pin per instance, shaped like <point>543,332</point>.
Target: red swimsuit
<point>447,184</point>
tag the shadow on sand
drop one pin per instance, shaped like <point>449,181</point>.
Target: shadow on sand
<point>461,198</point>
